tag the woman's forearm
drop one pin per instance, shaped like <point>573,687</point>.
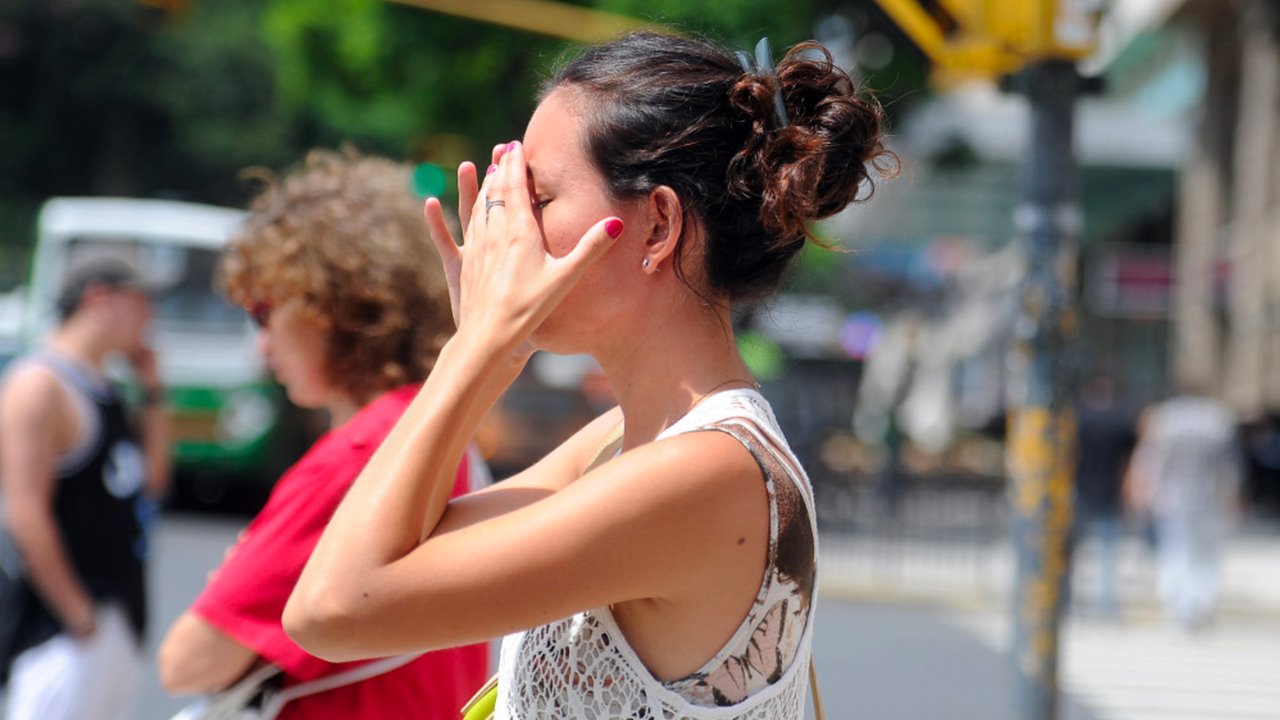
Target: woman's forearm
<point>400,496</point>
<point>196,657</point>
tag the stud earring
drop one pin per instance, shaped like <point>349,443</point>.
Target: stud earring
<point>645,263</point>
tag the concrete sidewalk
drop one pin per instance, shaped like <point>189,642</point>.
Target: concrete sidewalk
<point>976,574</point>
<point>909,662</point>
<point>921,661</point>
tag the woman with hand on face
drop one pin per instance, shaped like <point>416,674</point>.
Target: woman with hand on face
<point>335,268</point>
<point>662,562</point>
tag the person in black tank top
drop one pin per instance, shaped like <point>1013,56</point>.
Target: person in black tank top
<point>78,480</point>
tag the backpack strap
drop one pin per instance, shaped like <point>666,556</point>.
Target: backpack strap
<point>364,672</point>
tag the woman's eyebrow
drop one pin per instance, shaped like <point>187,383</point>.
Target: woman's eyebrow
<point>533,177</point>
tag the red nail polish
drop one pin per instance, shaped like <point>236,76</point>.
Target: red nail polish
<point>492,169</point>
<point>613,228</point>
<point>510,146</point>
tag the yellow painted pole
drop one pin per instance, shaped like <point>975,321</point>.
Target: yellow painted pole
<point>545,17</point>
<point>919,26</point>
<point>1042,432</point>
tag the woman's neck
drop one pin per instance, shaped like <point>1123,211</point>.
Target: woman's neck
<point>658,382</point>
<point>341,409</point>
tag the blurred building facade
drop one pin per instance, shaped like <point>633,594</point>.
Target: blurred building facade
<point>1179,242</point>
<point>1226,308</point>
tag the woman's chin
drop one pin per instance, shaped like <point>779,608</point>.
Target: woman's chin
<point>559,337</point>
<point>548,342</point>
<point>303,399</point>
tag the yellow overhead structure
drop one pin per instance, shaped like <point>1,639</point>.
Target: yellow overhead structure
<point>557,19</point>
<point>990,38</point>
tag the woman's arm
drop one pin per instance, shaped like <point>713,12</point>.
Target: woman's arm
<point>399,568</point>
<point>197,657</point>
<point>506,287</point>
<point>497,562</point>
<point>400,496</point>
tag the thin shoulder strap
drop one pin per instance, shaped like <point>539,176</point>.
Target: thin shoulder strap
<point>68,372</point>
<point>342,679</point>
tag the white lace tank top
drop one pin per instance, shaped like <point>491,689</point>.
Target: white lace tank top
<point>582,667</point>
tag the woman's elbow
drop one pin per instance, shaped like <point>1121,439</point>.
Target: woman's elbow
<point>180,672</point>
<point>173,678</point>
<point>320,623</point>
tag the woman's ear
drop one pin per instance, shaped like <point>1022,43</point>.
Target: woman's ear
<point>666,227</point>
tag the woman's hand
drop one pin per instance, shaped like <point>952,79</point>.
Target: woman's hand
<point>450,253</point>
<point>503,283</point>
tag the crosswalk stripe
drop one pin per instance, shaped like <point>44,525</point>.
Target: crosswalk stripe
<point>1154,672</point>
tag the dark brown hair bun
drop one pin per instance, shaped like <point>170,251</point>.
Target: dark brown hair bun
<point>680,112</point>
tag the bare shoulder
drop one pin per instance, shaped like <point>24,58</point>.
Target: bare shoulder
<point>31,392</point>
<point>703,465</point>
<point>674,491</point>
<point>700,489</point>
<point>35,425</point>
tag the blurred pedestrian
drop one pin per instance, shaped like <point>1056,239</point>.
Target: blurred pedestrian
<point>1186,474</point>
<point>659,567</point>
<point>1106,441</point>
<point>79,477</point>
<point>335,267</point>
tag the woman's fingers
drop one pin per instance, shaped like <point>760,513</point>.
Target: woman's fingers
<point>468,188</point>
<point>509,185</point>
<point>594,243</point>
<point>440,233</point>
<point>513,175</point>
<point>450,253</point>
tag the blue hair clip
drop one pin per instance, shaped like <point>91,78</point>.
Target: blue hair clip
<point>763,65</point>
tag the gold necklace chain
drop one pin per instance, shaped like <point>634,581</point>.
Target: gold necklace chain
<point>754,386</point>
<point>615,435</point>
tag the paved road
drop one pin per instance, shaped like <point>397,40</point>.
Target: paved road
<point>1148,669</point>
<point>187,547</point>
<point>908,661</point>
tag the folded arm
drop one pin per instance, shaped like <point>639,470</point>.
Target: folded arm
<point>527,551</point>
<point>196,657</point>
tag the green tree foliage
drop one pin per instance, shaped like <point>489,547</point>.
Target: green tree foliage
<point>102,97</point>
<point>402,80</point>
<point>737,24</point>
<point>106,97</point>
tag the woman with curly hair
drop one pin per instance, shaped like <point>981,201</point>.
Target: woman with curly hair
<point>335,268</point>
<point>661,563</point>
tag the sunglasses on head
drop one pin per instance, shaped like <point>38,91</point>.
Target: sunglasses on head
<point>259,313</point>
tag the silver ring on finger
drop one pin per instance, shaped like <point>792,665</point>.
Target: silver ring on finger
<point>491,204</point>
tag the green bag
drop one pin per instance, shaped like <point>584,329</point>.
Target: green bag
<point>482,704</point>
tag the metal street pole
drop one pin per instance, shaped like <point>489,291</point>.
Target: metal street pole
<point>1041,437</point>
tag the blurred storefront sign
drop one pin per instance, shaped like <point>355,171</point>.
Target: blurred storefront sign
<point>1138,283</point>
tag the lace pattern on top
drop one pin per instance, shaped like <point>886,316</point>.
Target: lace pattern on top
<point>583,667</point>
